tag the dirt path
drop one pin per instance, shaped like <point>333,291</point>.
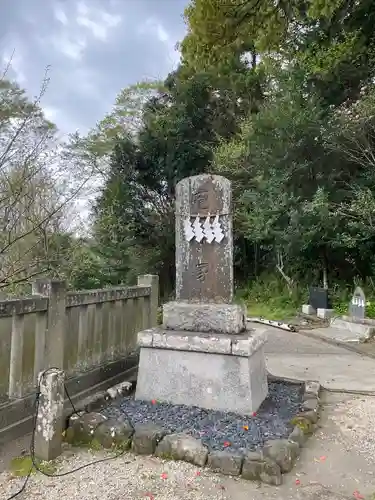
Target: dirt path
<point>336,464</point>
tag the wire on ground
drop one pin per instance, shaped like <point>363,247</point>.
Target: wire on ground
<point>34,464</point>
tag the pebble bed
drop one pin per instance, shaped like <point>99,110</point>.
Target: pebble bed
<point>219,430</point>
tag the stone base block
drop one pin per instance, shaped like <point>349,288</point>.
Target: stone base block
<point>324,313</point>
<point>353,331</point>
<point>223,372</point>
<point>191,317</point>
<point>307,309</point>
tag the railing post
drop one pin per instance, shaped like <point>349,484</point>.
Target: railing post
<point>16,357</point>
<point>151,280</point>
<point>55,290</point>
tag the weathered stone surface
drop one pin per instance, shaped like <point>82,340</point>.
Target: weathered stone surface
<point>357,306</point>
<point>298,436</point>
<point>182,447</point>
<point>249,345</point>
<point>303,423</point>
<point>83,428</point>
<point>307,309</point>
<point>145,338</point>
<point>192,341</point>
<point>219,318</point>
<point>312,416</point>
<point>146,438</point>
<point>324,313</point>
<point>251,469</point>
<point>352,330</point>
<point>204,270</point>
<point>225,462</point>
<point>232,383</point>
<point>310,404</point>
<point>114,432</point>
<point>271,473</point>
<point>118,390</point>
<point>282,452</point>
<point>49,419</point>
<point>312,387</point>
<point>93,403</point>
<point>254,455</point>
<point>256,468</point>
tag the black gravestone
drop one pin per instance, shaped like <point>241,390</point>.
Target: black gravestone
<point>319,298</point>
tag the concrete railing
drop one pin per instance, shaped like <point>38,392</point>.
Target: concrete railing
<point>90,334</point>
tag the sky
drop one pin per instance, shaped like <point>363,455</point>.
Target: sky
<point>92,49</point>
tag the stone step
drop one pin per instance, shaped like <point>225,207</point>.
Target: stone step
<point>351,331</point>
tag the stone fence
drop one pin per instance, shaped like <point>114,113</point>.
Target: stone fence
<point>90,334</point>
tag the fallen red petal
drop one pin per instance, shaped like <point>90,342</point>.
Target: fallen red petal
<point>198,473</point>
<point>150,496</point>
<point>323,458</point>
<point>254,413</point>
<point>153,402</point>
<point>298,482</point>
<point>164,475</point>
<point>357,495</point>
<point>226,444</point>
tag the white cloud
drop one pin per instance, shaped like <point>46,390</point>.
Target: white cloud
<point>60,15</point>
<point>73,48</point>
<point>97,21</point>
<point>82,81</point>
<point>50,113</point>
<point>154,26</point>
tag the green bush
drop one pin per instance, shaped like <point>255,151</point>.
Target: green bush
<point>270,297</point>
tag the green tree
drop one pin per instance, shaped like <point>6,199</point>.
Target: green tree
<point>291,186</point>
<point>332,40</point>
<point>182,124</point>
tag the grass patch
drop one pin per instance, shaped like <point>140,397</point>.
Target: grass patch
<point>20,466</point>
<point>271,311</point>
<point>270,298</point>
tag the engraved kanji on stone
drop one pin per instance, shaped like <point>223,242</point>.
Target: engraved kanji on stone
<point>202,270</point>
<point>200,200</point>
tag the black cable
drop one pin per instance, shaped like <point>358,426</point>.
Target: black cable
<point>32,443</point>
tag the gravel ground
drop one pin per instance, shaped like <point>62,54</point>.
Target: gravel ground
<point>127,477</point>
<point>355,418</point>
<point>219,430</point>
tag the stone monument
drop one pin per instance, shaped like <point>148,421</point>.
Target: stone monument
<point>357,306</point>
<point>203,355</point>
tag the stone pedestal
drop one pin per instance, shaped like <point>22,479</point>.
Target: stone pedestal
<point>213,371</point>
<point>204,356</point>
<point>205,318</point>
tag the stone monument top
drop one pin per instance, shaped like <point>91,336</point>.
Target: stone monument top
<point>204,259</point>
<point>204,242</point>
<point>357,306</point>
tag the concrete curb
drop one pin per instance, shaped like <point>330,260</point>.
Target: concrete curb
<point>337,343</point>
